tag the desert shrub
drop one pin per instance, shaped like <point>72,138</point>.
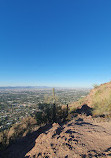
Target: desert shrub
<point>16,131</point>
<point>45,113</point>
<point>39,117</point>
<point>3,139</point>
<point>95,85</point>
<point>101,108</point>
<point>48,112</point>
<point>101,102</point>
<point>72,109</point>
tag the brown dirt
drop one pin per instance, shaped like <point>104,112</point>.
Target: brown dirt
<point>81,137</point>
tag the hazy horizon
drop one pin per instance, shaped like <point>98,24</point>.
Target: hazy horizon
<point>50,87</point>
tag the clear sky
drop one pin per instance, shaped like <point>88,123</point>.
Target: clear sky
<point>55,42</point>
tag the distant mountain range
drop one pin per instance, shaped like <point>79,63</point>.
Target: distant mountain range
<point>39,87</point>
<point>26,87</point>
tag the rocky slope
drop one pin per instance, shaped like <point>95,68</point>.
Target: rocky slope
<point>81,137</point>
<point>99,99</point>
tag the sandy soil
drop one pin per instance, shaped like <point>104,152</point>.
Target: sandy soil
<point>81,137</point>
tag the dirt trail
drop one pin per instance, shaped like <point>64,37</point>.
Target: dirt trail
<point>80,137</point>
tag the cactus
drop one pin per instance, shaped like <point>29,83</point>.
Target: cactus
<point>53,96</point>
<point>54,106</point>
<point>67,110</point>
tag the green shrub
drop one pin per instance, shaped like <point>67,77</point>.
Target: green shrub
<point>95,85</point>
<point>49,113</point>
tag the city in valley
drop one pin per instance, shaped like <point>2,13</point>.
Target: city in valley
<point>19,102</point>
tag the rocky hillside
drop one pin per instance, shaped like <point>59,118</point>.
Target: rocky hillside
<point>83,137</point>
<point>99,99</point>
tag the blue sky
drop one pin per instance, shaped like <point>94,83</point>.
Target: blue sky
<point>55,42</point>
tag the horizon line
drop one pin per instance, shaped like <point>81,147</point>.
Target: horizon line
<point>10,86</point>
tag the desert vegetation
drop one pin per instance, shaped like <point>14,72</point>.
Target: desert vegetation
<point>47,114</point>
<point>95,85</point>
<point>50,113</point>
<point>26,126</point>
<point>99,99</point>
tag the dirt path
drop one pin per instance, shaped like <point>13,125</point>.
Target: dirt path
<point>80,137</point>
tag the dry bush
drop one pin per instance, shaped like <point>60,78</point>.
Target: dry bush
<point>16,131</point>
<point>95,85</point>
<point>4,139</point>
<point>72,109</point>
<point>25,126</point>
<point>101,102</point>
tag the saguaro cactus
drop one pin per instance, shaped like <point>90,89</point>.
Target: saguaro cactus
<point>67,110</point>
<point>54,106</point>
<point>53,96</point>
